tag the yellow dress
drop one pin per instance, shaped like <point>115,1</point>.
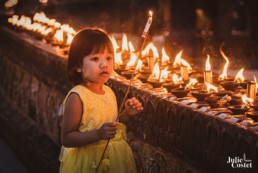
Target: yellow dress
<point>118,158</point>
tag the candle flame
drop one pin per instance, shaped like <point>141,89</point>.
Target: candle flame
<point>131,47</point>
<point>239,76</point>
<point>118,59</point>
<point>164,74</point>
<point>156,71</point>
<point>208,64</point>
<point>124,43</point>
<point>139,65</point>
<point>180,61</point>
<point>211,87</point>
<point>224,73</point>
<point>10,3</point>
<point>114,43</point>
<point>177,61</point>
<point>149,47</point>
<point>246,100</point>
<point>191,83</point>
<point>133,59</point>
<point>150,13</point>
<point>165,58</point>
<point>59,35</point>
<point>176,79</point>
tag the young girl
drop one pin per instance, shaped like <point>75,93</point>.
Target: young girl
<point>90,110</point>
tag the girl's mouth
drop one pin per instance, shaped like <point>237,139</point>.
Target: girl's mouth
<point>104,73</point>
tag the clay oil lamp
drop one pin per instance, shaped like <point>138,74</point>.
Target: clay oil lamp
<point>224,93</point>
<point>183,91</point>
<point>236,99</point>
<point>254,105</point>
<point>238,109</point>
<point>241,109</point>
<point>217,101</point>
<point>214,100</point>
<point>180,92</point>
<point>174,83</point>
<point>253,115</point>
<point>158,77</point>
<point>201,94</point>
<point>236,84</point>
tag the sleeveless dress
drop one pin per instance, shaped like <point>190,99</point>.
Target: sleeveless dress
<point>98,109</point>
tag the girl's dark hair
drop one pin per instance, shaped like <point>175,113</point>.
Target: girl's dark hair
<point>87,41</point>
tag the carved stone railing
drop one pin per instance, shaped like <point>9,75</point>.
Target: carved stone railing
<point>166,137</point>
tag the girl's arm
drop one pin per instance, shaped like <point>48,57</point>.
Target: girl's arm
<point>132,107</point>
<point>70,134</point>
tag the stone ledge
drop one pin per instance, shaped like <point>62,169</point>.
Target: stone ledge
<point>36,150</point>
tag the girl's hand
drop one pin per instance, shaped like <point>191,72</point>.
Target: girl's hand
<point>107,130</point>
<point>133,106</point>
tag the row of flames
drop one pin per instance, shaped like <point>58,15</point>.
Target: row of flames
<point>47,27</point>
<point>160,70</point>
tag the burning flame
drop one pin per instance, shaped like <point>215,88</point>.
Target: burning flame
<point>10,3</point>
<point>149,47</point>
<point>118,59</point>
<point>139,65</point>
<point>44,26</point>
<point>150,13</point>
<point>156,71</point>
<point>177,61</point>
<point>191,83</point>
<point>69,38</point>
<point>130,44</point>
<point>164,74</point>
<point>43,1</point>
<point>124,43</point>
<point>176,79</point>
<point>59,35</point>
<point>208,64</point>
<point>246,100</point>
<point>224,73</point>
<point>115,45</point>
<point>133,59</point>
<point>165,58</point>
<point>211,87</point>
<point>180,61</point>
<point>239,76</point>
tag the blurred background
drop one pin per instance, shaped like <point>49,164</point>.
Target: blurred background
<point>198,27</point>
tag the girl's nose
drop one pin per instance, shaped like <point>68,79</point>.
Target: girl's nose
<point>103,63</point>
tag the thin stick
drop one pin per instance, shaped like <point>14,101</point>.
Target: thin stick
<point>122,105</point>
<point>127,91</point>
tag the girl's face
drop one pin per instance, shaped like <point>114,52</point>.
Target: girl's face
<point>97,68</point>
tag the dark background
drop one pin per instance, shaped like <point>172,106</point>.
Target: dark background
<point>198,27</point>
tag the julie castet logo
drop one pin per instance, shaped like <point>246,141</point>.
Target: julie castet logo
<point>238,162</point>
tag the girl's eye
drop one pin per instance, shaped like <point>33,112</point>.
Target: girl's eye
<point>109,58</point>
<point>95,58</point>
